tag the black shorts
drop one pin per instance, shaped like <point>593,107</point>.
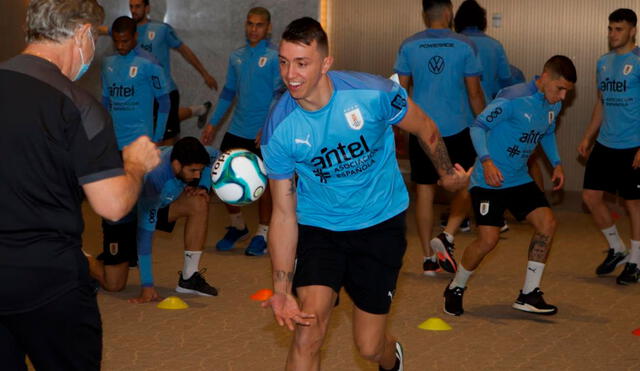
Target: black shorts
<point>489,205</point>
<point>366,261</point>
<point>230,141</point>
<point>163,223</point>
<point>119,242</point>
<point>64,334</point>
<point>609,170</point>
<point>460,150</point>
<point>173,121</point>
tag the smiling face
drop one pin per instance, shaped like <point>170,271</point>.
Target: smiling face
<point>302,67</point>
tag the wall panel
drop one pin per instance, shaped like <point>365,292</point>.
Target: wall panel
<point>365,35</point>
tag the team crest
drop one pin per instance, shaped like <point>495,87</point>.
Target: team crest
<point>484,208</point>
<point>262,61</point>
<point>152,35</point>
<point>552,116</point>
<point>133,71</point>
<point>627,69</point>
<point>113,248</point>
<point>354,118</point>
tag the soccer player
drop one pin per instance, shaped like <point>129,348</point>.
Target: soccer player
<point>253,79</point>
<point>471,21</point>
<point>58,146</point>
<point>131,79</point>
<point>504,135</point>
<point>158,38</point>
<point>445,71</point>
<point>613,161</point>
<point>339,200</point>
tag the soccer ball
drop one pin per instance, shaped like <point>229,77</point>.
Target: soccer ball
<point>239,177</point>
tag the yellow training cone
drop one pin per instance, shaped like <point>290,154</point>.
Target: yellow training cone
<point>434,324</point>
<point>173,302</point>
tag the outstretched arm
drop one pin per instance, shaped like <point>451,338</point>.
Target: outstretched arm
<point>193,60</point>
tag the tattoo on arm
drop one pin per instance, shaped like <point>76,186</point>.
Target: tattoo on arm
<point>280,276</point>
<point>439,155</point>
<point>539,247</point>
<point>292,186</point>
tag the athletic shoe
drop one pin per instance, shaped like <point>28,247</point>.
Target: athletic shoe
<point>232,236</point>
<point>257,247</point>
<point>612,260</point>
<point>202,119</point>
<point>195,285</point>
<point>399,366</point>
<point>465,226</point>
<point>453,300</point>
<point>430,267</point>
<point>533,302</point>
<point>629,275</point>
<point>444,251</point>
<point>505,226</point>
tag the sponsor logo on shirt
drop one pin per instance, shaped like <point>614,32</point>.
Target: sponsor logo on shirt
<point>133,71</point>
<point>147,47</point>
<point>303,141</point>
<point>531,137</point>
<point>121,90</point>
<point>627,69</point>
<point>343,160</point>
<point>398,102</point>
<point>494,114</point>
<point>437,45</point>
<point>354,118</point>
<point>151,35</point>
<point>436,65</point>
<point>614,86</point>
<point>262,61</point>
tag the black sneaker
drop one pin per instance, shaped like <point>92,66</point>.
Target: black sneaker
<point>399,366</point>
<point>430,267</point>
<point>202,119</point>
<point>610,263</point>
<point>453,300</point>
<point>505,226</point>
<point>629,275</point>
<point>533,302</point>
<point>465,226</point>
<point>196,285</point>
<point>444,251</point>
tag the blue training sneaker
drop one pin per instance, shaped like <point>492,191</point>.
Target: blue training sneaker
<point>232,236</point>
<point>257,247</point>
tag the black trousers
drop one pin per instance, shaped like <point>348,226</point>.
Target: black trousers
<point>65,334</point>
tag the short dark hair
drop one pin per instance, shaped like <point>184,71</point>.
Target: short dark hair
<point>258,10</point>
<point>124,24</point>
<point>470,14</point>
<point>561,66</point>
<point>433,8</point>
<point>305,31</point>
<point>189,151</point>
<point>624,14</point>
<point>146,2</point>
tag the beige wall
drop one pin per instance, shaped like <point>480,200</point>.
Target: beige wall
<point>365,35</point>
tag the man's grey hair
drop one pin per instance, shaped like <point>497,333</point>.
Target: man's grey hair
<point>57,20</point>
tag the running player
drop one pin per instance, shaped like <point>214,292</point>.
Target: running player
<point>504,135</point>
<point>445,71</point>
<point>253,77</point>
<point>345,212</point>
<point>158,38</point>
<point>613,161</point>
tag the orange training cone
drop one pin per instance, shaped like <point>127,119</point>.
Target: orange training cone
<point>636,332</point>
<point>262,295</point>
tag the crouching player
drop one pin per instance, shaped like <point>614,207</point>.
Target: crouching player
<point>504,136</point>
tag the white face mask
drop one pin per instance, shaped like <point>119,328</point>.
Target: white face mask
<point>85,66</point>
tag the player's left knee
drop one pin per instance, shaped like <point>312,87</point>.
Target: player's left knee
<point>370,349</point>
<point>549,224</point>
<point>198,205</point>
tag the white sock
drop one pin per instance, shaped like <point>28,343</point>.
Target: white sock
<point>198,110</point>
<point>448,236</point>
<point>237,221</point>
<point>533,277</point>
<point>613,238</point>
<point>634,257</point>
<point>191,263</point>
<point>461,277</point>
<point>262,231</point>
<point>433,258</point>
